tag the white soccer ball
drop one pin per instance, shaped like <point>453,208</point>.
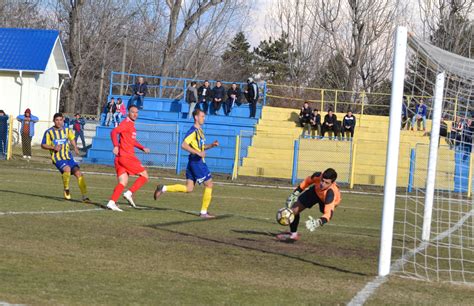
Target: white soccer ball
<point>285,216</point>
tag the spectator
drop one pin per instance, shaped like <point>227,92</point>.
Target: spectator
<point>218,95</point>
<point>305,118</point>
<point>329,124</point>
<point>420,114</point>
<point>27,131</point>
<point>78,124</point>
<point>140,89</point>
<point>110,111</point>
<point>66,122</point>
<point>120,111</point>
<point>348,125</point>
<point>457,129</point>
<point>315,123</point>
<point>3,133</point>
<point>205,96</point>
<point>191,98</point>
<point>252,96</point>
<point>103,114</point>
<point>443,132</point>
<point>233,97</point>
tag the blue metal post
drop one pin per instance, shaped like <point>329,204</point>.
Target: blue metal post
<point>178,158</point>
<point>411,175</point>
<point>161,88</point>
<point>294,174</point>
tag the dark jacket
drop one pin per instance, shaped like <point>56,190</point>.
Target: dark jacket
<point>306,113</point>
<point>235,92</point>
<point>79,127</point>
<point>191,94</point>
<point>107,108</point>
<point>3,125</point>
<point>332,119</point>
<point>218,93</point>
<point>137,87</point>
<point>205,93</point>
<point>316,119</point>
<point>349,121</point>
<point>252,92</point>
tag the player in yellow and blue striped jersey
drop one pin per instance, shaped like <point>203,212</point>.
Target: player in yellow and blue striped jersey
<point>56,139</point>
<point>196,172</point>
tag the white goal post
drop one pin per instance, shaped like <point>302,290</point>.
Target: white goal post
<point>427,229</point>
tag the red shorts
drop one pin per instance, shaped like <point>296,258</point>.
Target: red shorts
<point>128,164</point>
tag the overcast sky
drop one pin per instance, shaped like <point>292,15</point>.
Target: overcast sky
<point>255,29</point>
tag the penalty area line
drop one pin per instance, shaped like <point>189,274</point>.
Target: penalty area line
<point>363,295</point>
<point>47,212</point>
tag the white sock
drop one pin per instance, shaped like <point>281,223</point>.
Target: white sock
<point>203,212</point>
<point>111,202</point>
<point>128,193</point>
<point>164,188</point>
<point>294,234</point>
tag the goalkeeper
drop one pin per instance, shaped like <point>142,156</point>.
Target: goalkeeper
<point>321,189</point>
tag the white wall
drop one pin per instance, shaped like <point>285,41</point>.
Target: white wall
<point>39,94</point>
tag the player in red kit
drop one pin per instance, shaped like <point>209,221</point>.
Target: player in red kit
<point>126,163</point>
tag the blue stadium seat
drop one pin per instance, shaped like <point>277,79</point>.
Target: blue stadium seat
<point>157,128</point>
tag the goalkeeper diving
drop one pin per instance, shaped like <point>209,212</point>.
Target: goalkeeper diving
<point>320,189</point>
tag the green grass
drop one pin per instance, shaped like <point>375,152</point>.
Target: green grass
<point>164,254</point>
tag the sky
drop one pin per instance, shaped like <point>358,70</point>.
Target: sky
<point>258,28</point>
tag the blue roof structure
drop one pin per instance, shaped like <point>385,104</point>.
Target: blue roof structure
<point>26,49</point>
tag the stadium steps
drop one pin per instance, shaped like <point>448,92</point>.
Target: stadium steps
<point>157,128</point>
<point>271,152</point>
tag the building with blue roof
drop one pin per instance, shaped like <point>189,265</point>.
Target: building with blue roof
<point>33,67</point>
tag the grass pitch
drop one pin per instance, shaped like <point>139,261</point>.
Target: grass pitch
<point>64,252</point>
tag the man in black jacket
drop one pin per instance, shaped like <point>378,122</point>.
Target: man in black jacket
<point>218,95</point>
<point>3,133</point>
<point>191,98</point>
<point>330,124</point>
<point>233,97</point>
<point>140,89</point>
<point>305,118</point>
<point>205,96</point>
<point>252,96</point>
<point>315,123</point>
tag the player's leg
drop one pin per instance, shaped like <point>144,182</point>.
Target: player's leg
<point>122,182</point>
<point>66,176</point>
<point>81,182</point>
<point>189,187</point>
<point>141,180</point>
<point>160,189</point>
<point>206,199</point>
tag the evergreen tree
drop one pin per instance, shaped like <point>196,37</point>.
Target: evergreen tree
<point>238,60</point>
<point>272,59</point>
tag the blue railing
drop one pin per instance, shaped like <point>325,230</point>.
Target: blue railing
<point>167,87</point>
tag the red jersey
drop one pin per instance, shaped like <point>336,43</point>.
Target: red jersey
<point>128,138</point>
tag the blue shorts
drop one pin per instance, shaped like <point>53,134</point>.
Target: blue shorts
<point>198,172</point>
<point>60,164</point>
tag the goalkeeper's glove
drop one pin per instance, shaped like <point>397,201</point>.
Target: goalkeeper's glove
<point>292,198</point>
<point>312,224</point>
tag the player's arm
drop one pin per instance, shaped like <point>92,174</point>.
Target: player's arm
<point>47,143</point>
<point>187,147</point>
<point>71,138</point>
<point>329,206</point>
<point>114,136</point>
<point>141,147</point>
<point>212,145</point>
<point>293,197</point>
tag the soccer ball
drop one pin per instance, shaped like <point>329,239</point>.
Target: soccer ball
<point>285,216</point>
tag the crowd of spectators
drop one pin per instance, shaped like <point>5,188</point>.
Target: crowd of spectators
<point>310,121</point>
<point>210,100</point>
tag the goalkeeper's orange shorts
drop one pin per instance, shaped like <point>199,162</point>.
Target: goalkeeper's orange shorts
<point>128,164</point>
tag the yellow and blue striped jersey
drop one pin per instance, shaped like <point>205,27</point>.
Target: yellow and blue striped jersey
<point>61,137</point>
<point>196,140</point>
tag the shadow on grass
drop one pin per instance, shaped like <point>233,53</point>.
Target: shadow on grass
<point>253,248</point>
<point>59,199</point>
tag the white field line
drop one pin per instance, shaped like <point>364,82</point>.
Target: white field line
<point>48,212</point>
<point>363,295</point>
<point>8,304</point>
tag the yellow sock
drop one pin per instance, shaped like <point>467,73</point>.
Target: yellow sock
<point>206,200</point>
<point>176,188</point>
<point>66,179</point>
<point>82,185</point>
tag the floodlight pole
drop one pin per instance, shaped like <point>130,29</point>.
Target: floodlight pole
<point>433,156</point>
<point>393,146</point>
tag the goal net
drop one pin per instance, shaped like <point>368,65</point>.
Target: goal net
<point>433,228</point>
